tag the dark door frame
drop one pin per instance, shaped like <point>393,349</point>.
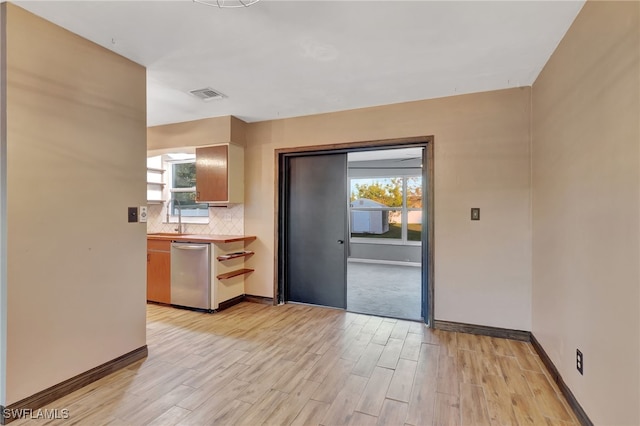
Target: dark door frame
<point>282,154</point>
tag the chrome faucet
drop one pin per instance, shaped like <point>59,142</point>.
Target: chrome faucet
<point>181,229</point>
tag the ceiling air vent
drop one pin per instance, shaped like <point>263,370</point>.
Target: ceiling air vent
<point>207,94</point>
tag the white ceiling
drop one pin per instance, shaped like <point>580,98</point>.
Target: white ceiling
<point>280,59</point>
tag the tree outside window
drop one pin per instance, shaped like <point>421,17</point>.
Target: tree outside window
<point>387,208</point>
<point>183,191</point>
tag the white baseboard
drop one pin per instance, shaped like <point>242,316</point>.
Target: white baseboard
<point>384,262</point>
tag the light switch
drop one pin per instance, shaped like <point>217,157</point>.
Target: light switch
<point>132,214</point>
<point>142,213</point>
<point>475,213</point>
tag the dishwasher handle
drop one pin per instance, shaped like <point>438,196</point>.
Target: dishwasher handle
<point>189,247</point>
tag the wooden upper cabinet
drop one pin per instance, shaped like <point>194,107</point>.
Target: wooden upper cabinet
<point>212,173</point>
<point>220,174</point>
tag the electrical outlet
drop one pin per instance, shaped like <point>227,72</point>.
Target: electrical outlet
<point>475,213</point>
<point>142,213</point>
<point>227,217</point>
<point>579,361</point>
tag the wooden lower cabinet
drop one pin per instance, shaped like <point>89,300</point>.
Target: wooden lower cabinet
<point>159,271</point>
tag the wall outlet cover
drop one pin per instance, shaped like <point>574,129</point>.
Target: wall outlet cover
<point>475,213</point>
<point>142,214</point>
<point>132,214</point>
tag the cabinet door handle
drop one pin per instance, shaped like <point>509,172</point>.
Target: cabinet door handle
<point>148,257</point>
<point>198,196</point>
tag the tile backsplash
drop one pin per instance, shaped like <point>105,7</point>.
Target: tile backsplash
<point>222,221</point>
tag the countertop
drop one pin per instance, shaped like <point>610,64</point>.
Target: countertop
<point>200,238</point>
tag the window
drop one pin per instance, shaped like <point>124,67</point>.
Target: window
<point>182,189</point>
<point>386,209</point>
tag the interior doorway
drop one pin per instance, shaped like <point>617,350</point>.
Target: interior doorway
<point>385,232</point>
<point>335,240</point>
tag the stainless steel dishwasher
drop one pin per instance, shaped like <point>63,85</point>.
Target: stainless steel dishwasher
<point>191,275</point>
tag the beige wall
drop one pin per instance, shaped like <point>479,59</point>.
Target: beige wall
<point>3,222</point>
<point>482,141</point>
<point>76,152</point>
<point>208,131</point>
<point>586,213</point>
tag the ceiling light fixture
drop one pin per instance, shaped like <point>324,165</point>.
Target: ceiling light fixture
<point>222,4</point>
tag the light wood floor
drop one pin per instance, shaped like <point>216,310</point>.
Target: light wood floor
<point>255,364</point>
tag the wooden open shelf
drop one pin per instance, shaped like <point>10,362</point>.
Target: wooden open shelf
<point>234,273</point>
<point>234,255</point>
